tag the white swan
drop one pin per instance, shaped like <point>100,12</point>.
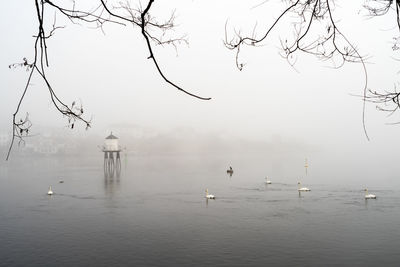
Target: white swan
<point>267,181</point>
<point>208,196</point>
<point>50,192</point>
<point>369,196</point>
<point>303,189</point>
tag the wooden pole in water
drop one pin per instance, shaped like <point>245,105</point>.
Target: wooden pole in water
<point>306,166</point>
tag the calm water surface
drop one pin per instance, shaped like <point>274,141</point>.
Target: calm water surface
<point>155,214</point>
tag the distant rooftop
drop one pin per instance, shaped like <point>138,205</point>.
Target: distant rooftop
<point>111,136</point>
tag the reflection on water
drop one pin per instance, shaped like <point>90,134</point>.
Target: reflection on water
<point>154,214</point>
<point>112,175</point>
<point>112,181</point>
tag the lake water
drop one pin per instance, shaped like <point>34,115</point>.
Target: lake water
<point>156,214</point>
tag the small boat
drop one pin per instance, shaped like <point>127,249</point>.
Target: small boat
<point>267,181</point>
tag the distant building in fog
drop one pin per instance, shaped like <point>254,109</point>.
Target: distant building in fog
<point>45,145</point>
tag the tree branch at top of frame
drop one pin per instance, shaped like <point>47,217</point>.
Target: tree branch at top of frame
<point>136,16</point>
<point>97,16</point>
<point>315,32</point>
<point>326,42</point>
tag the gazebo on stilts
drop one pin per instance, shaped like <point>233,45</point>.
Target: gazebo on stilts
<point>111,147</point>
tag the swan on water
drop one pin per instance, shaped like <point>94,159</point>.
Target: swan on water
<point>369,196</point>
<point>303,189</point>
<point>267,181</point>
<point>50,192</point>
<point>208,196</point>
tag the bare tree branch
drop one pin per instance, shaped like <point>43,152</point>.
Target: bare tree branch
<point>98,16</point>
<point>316,32</point>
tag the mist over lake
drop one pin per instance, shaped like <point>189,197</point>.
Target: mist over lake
<point>155,212</point>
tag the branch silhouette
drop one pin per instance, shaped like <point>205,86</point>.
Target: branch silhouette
<point>97,16</point>
<point>316,32</point>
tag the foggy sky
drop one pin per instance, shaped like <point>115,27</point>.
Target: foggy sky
<point>111,75</point>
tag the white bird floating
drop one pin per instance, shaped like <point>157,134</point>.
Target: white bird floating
<point>369,196</point>
<point>208,196</point>
<point>303,189</point>
<point>50,192</point>
<point>267,181</point>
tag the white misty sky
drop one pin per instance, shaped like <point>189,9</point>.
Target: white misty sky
<point>117,84</point>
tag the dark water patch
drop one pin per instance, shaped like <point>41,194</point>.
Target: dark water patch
<point>74,196</point>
